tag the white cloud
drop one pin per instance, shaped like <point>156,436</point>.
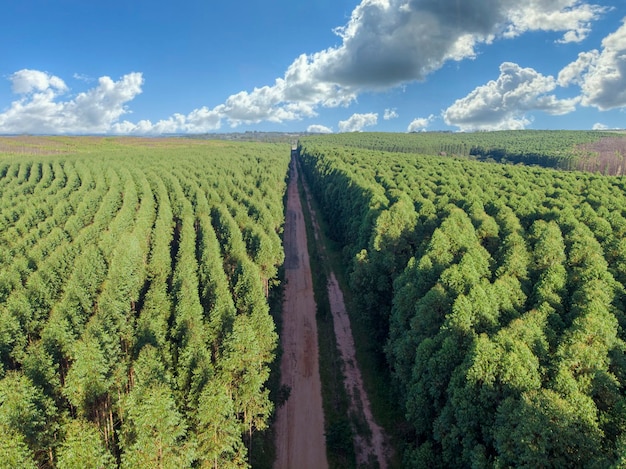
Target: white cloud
<point>83,77</point>
<point>573,17</point>
<point>385,43</point>
<point>390,42</point>
<point>202,120</point>
<point>28,81</point>
<point>601,75</point>
<point>356,122</point>
<point>255,106</point>
<point>319,129</point>
<point>503,103</point>
<point>390,114</point>
<point>198,121</point>
<point>95,109</point>
<point>293,97</point>
<point>600,126</point>
<point>420,124</point>
<point>573,73</point>
<point>39,109</point>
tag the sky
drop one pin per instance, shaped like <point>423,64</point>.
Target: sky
<point>155,67</point>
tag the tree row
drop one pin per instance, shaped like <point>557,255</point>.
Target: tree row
<point>134,322</point>
<point>495,298</point>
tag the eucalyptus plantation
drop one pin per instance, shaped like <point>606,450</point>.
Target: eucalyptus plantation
<point>134,319</point>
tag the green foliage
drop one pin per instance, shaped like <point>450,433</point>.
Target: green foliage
<point>28,415</point>
<point>553,149</point>
<point>219,441</point>
<point>155,431</point>
<point>14,451</point>
<point>88,379</point>
<point>494,292</point>
<point>541,429</point>
<point>134,318</point>
<point>83,447</point>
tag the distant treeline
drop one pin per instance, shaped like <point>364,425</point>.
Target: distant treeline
<point>495,293</point>
<point>596,151</point>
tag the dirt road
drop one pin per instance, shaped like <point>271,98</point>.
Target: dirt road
<point>300,441</point>
<point>372,449</point>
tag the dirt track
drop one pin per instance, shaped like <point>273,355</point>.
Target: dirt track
<point>300,441</point>
<point>372,450</point>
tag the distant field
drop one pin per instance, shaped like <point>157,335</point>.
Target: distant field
<point>36,145</point>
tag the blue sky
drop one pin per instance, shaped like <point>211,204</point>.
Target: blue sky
<point>149,67</point>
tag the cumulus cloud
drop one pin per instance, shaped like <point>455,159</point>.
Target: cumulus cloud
<point>40,109</point>
<point>385,43</point>
<point>600,126</point>
<point>319,129</point>
<point>30,81</point>
<point>572,17</point>
<point>601,75</point>
<point>198,121</point>
<point>356,122</point>
<point>388,42</point>
<point>390,114</point>
<point>97,108</point>
<point>420,124</point>
<point>503,103</point>
<point>573,73</point>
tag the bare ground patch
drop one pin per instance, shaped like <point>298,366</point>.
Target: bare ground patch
<point>607,156</point>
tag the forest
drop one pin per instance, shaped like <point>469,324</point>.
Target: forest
<point>597,151</point>
<point>135,330</point>
<point>135,278</point>
<point>494,295</point>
